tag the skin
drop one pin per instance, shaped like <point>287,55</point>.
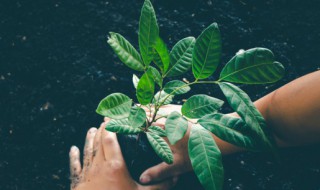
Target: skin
<point>103,166</point>
<point>292,112</point>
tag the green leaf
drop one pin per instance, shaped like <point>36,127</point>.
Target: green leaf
<point>206,52</point>
<point>199,105</point>
<point>137,117</point>
<point>162,58</point>
<point>176,127</point>
<point>122,126</point>
<point>230,129</point>
<point>157,130</point>
<point>205,158</point>
<point>125,51</point>
<point>135,81</point>
<point>145,89</point>
<point>115,106</point>
<point>154,73</point>
<point>242,104</point>
<point>161,97</point>
<point>148,32</point>
<point>181,57</point>
<point>176,87</point>
<point>161,148</point>
<point>254,66</point>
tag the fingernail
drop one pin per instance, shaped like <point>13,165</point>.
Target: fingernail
<point>145,179</point>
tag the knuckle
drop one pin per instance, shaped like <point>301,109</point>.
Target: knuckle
<point>115,166</point>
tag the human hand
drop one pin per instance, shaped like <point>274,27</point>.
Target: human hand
<point>181,162</point>
<point>103,165</point>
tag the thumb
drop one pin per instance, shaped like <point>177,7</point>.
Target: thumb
<point>157,173</point>
<point>167,184</point>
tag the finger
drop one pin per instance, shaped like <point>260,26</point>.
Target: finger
<point>106,119</point>
<point>158,173</point>
<point>167,184</point>
<point>111,147</point>
<point>75,165</point>
<point>88,147</point>
<point>98,154</point>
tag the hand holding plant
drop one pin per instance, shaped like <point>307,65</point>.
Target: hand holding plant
<point>202,55</point>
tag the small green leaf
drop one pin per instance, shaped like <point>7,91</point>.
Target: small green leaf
<point>254,66</point>
<point>181,57</point>
<point>125,51</point>
<point>161,148</point>
<point>230,129</point>
<point>162,58</point>
<point>205,158</point>
<point>154,73</point>
<point>176,87</point>
<point>145,89</point>
<point>115,106</point>
<point>158,131</point>
<point>148,32</point>
<point>242,104</point>
<point>176,126</point>
<point>122,126</point>
<point>206,52</point>
<point>135,81</point>
<point>137,117</point>
<point>162,97</point>
<point>199,105</point>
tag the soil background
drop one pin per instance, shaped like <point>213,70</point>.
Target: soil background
<point>55,67</point>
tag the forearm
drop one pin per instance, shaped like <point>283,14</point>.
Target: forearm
<point>292,112</point>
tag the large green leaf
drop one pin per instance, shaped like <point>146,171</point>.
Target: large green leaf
<point>205,158</point>
<point>148,32</point>
<point>206,52</point>
<point>161,57</point>
<point>137,117</point>
<point>125,51</point>
<point>135,81</point>
<point>230,130</point>
<point>181,57</point>
<point>154,73</point>
<point>242,104</point>
<point>162,98</point>
<point>115,106</point>
<point>157,130</point>
<point>254,66</point>
<point>176,87</point>
<point>145,89</point>
<point>122,126</point>
<point>199,105</point>
<point>161,148</point>
<point>176,127</point>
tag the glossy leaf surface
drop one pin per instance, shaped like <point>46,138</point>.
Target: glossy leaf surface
<point>125,51</point>
<point>145,89</point>
<point>199,105</point>
<point>154,73</point>
<point>162,58</point>
<point>161,148</point>
<point>181,57</point>
<point>135,81</point>
<point>206,52</point>
<point>176,87</point>
<point>205,158</point>
<point>148,32</point>
<point>254,66</point>
<point>176,126</point>
<point>162,97</point>
<point>157,130</point>
<point>137,117</point>
<point>122,126</point>
<point>229,129</point>
<point>115,106</point>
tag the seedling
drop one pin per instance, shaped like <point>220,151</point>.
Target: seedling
<point>201,55</point>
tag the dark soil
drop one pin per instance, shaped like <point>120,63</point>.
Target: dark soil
<point>55,66</point>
